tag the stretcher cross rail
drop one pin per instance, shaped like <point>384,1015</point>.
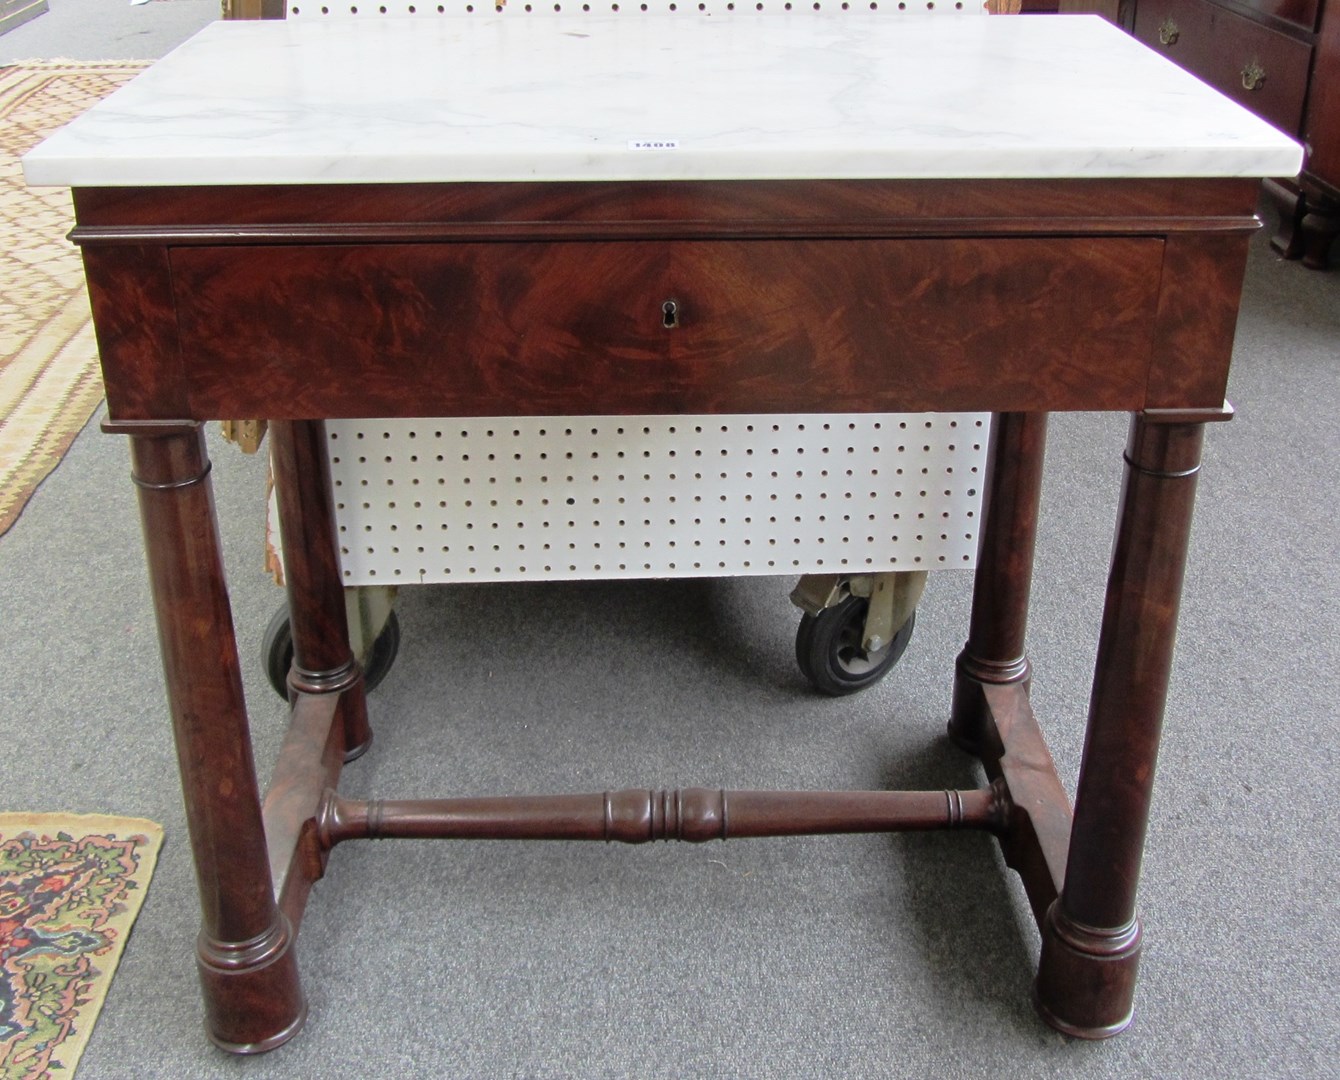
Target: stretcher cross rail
<point>639,816</point>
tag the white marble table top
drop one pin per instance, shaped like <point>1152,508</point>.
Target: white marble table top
<point>673,98</point>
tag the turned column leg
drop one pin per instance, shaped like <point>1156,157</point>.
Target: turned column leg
<point>248,969</point>
<point>994,652</point>
<point>323,661</point>
<point>1091,935</point>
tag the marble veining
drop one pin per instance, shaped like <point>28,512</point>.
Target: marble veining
<point>599,98</point>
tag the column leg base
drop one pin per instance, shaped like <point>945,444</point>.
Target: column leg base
<point>358,751</point>
<point>265,1045</point>
<point>253,997</point>
<point>971,727</point>
<point>352,711</point>
<point>967,714</point>
<point>352,715</point>
<point>1086,977</point>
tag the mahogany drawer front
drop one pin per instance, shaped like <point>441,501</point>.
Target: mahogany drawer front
<point>1263,69</point>
<point>562,328</point>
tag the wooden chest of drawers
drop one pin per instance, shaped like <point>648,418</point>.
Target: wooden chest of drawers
<point>1281,59</point>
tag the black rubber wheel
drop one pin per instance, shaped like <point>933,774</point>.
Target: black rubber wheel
<point>829,653</point>
<point>277,652</point>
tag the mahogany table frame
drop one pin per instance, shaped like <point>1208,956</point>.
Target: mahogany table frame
<point>1017,297</point>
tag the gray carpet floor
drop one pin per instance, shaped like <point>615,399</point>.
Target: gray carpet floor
<point>877,956</point>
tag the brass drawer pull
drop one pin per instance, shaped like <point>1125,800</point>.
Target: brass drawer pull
<point>1168,32</point>
<point>1253,76</point>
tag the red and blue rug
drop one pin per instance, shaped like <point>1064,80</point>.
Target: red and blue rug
<point>71,886</point>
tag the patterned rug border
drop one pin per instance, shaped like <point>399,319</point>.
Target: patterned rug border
<point>49,378</point>
<point>59,64</point>
<point>113,921</point>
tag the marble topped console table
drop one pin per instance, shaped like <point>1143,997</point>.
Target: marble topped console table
<point>486,217</point>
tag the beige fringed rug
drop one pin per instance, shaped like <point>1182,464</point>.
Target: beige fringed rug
<point>49,382</point>
<point>71,886</point>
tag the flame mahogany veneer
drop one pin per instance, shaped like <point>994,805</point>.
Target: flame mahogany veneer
<point>1018,297</point>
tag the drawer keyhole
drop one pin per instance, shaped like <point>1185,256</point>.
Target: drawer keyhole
<point>670,314</point>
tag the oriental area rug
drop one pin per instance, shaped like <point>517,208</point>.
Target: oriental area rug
<point>49,381</point>
<point>71,886</point>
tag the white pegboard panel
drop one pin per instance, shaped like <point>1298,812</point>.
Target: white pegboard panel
<point>507,499</point>
<point>422,8</point>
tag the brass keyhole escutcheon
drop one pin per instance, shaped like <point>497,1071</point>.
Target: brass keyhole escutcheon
<point>1168,32</point>
<point>670,314</point>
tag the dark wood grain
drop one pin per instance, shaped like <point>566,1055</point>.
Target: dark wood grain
<point>245,949</point>
<point>135,321</point>
<point>990,714</point>
<point>766,326</point>
<point>1317,215</point>
<point>1044,280</point>
<point>641,816</point>
<point>1302,14</point>
<point>1037,841</point>
<point>323,661</point>
<point>299,304</point>
<point>309,763</point>
<point>715,207</point>
<point>1217,44</point>
<point>1197,315</point>
<point>1322,126</point>
<point>1091,936</point>
<point>994,653</point>
<point>1309,219</point>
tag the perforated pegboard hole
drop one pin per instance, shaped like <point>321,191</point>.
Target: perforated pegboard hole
<point>490,453</point>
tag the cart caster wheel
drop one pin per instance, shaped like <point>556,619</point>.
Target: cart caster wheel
<point>829,653</point>
<point>277,652</point>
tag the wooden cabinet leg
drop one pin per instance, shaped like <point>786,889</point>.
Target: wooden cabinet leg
<point>1289,203</point>
<point>1320,227</point>
<point>248,969</point>
<point>1309,223</point>
<point>1091,935</point>
<point>323,662</point>
<point>994,652</point>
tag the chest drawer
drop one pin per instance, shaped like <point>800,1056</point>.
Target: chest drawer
<point>1261,68</point>
<point>654,327</point>
<point>1300,13</point>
